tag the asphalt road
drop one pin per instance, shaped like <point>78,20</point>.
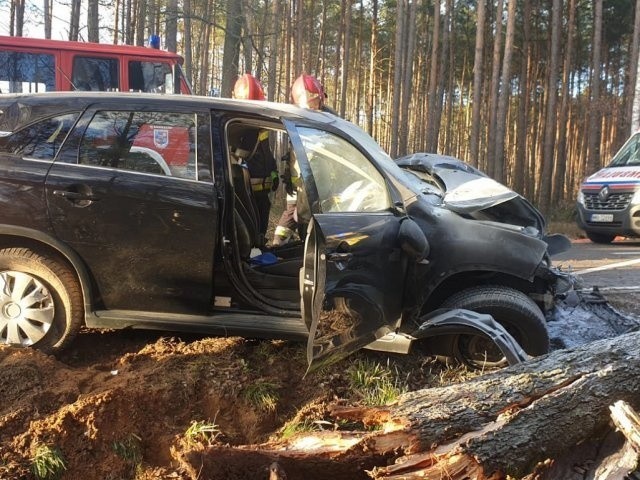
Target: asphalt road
<point>613,267</point>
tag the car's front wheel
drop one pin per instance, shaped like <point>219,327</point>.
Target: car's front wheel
<point>514,310</point>
<point>40,301</point>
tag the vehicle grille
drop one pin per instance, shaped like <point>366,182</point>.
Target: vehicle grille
<point>615,201</point>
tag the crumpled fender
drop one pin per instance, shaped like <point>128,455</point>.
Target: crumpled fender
<point>461,321</point>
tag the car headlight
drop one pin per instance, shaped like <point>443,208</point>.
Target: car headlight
<point>580,199</point>
<point>636,198</point>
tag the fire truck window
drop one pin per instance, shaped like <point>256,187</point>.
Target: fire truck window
<point>159,143</point>
<point>95,74</point>
<point>40,140</point>
<point>150,77</point>
<point>22,72</point>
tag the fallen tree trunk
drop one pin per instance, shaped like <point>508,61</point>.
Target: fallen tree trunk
<point>499,424</point>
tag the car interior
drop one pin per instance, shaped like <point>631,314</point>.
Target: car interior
<point>271,271</point>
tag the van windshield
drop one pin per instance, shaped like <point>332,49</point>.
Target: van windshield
<point>629,154</point>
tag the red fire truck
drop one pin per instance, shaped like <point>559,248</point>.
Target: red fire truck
<point>36,65</point>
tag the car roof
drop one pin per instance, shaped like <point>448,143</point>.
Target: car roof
<point>68,101</point>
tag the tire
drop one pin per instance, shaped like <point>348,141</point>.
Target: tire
<point>514,310</point>
<point>601,238</point>
<point>41,303</point>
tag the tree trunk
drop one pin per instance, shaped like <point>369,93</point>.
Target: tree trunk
<point>407,86</point>
<point>520,164</point>
<point>477,83</point>
<point>231,47</point>
<point>371,90</point>
<point>505,94</point>
<point>397,77</point>
<point>171,29</point>
<point>493,95</point>
<point>593,157</point>
<point>499,424</point>
<point>273,49</point>
<point>559,183</point>
<point>93,21</point>
<point>188,31</point>
<point>432,128</point>
<point>633,96</point>
<point>346,49</point>
<point>48,6</point>
<point>550,124</point>
<point>74,20</point>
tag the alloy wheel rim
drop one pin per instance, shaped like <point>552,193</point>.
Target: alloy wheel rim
<point>26,309</point>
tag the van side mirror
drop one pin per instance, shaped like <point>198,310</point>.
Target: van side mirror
<point>412,240</point>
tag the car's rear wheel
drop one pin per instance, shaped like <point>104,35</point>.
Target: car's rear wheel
<point>40,301</point>
<point>600,237</point>
<point>514,310</point>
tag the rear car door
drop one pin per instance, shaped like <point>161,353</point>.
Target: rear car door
<point>353,275</point>
<point>132,192</point>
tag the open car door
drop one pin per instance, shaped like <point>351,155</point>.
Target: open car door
<point>353,276</point>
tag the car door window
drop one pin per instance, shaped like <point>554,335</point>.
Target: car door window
<point>40,140</point>
<point>345,179</point>
<point>95,74</point>
<point>159,143</point>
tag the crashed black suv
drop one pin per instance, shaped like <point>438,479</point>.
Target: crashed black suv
<point>131,211</point>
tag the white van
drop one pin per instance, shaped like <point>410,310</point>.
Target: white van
<point>609,200</point>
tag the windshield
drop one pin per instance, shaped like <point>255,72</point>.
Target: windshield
<point>629,154</point>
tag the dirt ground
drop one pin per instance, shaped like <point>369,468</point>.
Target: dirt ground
<point>123,405</point>
<point>118,405</point>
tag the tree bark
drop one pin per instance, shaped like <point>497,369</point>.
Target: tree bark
<point>593,157</point>
<point>493,95</point>
<point>371,90</point>
<point>559,183</point>
<point>432,128</point>
<point>171,28</point>
<point>503,423</point>
<point>93,21</point>
<point>346,49</point>
<point>550,124</point>
<point>505,94</point>
<point>477,83</point>
<point>407,85</point>
<point>48,6</point>
<point>231,47</point>
<point>397,76</point>
<point>633,86</point>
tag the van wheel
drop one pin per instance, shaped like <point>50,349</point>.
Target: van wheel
<point>514,310</point>
<point>600,237</point>
<point>40,301</point>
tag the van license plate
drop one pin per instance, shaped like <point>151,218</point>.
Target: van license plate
<point>602,217</point>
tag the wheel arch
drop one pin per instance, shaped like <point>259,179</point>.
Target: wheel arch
<point>14,236</point>
<point>462,280</point>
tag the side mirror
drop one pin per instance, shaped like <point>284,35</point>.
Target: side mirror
<point>413,241</point>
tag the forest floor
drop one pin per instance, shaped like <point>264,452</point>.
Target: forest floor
<point>122,405</point>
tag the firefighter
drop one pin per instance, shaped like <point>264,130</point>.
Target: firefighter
<point>306,92</point>
<point>257,153</point>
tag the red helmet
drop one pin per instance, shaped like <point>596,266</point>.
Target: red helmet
<point>307,92</point>
<point>248,87</point>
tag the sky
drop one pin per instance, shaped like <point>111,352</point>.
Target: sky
<point>34,23</point>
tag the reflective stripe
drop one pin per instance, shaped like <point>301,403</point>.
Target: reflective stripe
<point>260,184</point>
<point>283,232</point>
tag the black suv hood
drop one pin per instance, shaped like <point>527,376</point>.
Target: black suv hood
<point>467,191</point>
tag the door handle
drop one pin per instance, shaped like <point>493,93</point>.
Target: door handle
<point>75,196</point>
<point>340,256</point>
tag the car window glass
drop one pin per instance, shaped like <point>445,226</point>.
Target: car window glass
<point>345,179</point>
<point>22,72</point>
<point>629,154</point>
<point>95,74</point>
<point>160,143</point>
<point>40,140</point>
<point>152,77</point>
